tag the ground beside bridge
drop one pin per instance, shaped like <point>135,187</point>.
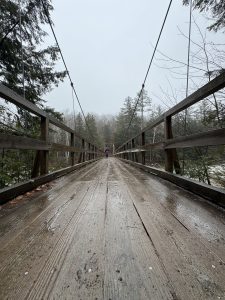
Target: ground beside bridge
<point>110,231</point>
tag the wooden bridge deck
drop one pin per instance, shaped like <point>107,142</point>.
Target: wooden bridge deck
<point>110,231</point>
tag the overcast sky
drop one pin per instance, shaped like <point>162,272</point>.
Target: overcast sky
<point>107,45</point>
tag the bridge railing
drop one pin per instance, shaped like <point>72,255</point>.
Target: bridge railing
<point>134,150</point>
<point>79,148</point>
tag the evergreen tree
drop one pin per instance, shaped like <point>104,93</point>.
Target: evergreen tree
<point>119,137</point>
<point>128,113</point>
<point>80,128</point>
<point>123,121</point>
<point>144,106</point>
<point>27,67</point>
<point>107,134</point>
<point>22,58</point>
<point>91,131</point>
<point>217,9</point>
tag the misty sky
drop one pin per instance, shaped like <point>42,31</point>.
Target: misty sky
<point>108,44</point>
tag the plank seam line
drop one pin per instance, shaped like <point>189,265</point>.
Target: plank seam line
<point>169,283</point>
<point>172,291</point>
<point>104,240</point>
<point>106,202</point>
<point>192,232</point>
<point>200,239</point>
<point>178,220</point>
<point>144,226</point>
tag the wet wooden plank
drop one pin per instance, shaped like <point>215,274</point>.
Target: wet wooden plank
<point>132,268</point>
<point>14,218</point>
<point>112,232</point>
<point>82,272</point>
<point>40,247</point>
<point>13,191</point>
<point>213,194</point>
<point>34,256</point>
<point>195,271</point>
<point>197,214</point>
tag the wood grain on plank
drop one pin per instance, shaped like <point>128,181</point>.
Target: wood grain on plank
<point>111,231</point>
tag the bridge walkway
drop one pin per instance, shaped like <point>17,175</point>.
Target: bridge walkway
<point>111,231</point>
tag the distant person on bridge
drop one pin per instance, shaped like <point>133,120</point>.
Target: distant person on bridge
<point>107,152</point>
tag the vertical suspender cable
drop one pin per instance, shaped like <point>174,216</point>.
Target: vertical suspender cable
<point>22,61</point>
<point>188,71</point>
<point>149,66</point>
<point>74,115</point>
<point>22,56</point>
<point>189,50</point>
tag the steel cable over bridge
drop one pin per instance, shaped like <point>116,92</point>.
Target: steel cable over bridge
<point>106,229</point>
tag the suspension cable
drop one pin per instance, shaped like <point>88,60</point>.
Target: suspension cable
<point>22,56</point>
<point>189,49</point>
<point>149,67</point>
<point>64,62</point>
<point>187,80</point>
<point>13,26</point>
<point>8,32</point>
<point>74,115</point>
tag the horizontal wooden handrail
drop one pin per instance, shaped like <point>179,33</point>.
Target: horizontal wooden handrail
<point>208,89</point>
<point>86,151</point>
<point>24,143</point>
<point>209,138</point>
<point>9,95</point>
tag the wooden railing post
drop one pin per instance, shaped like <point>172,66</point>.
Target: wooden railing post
<point>132,146</point>
<point>143,152</point>
<point>168,152</point>
<point>83,150</point>
<point>135,155</point>
<point>44,153</point>
<point>89,149</point>
<point>36,165</point>
<point>72,144</point>
<point>130,153</point>
<point>92,150</point>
